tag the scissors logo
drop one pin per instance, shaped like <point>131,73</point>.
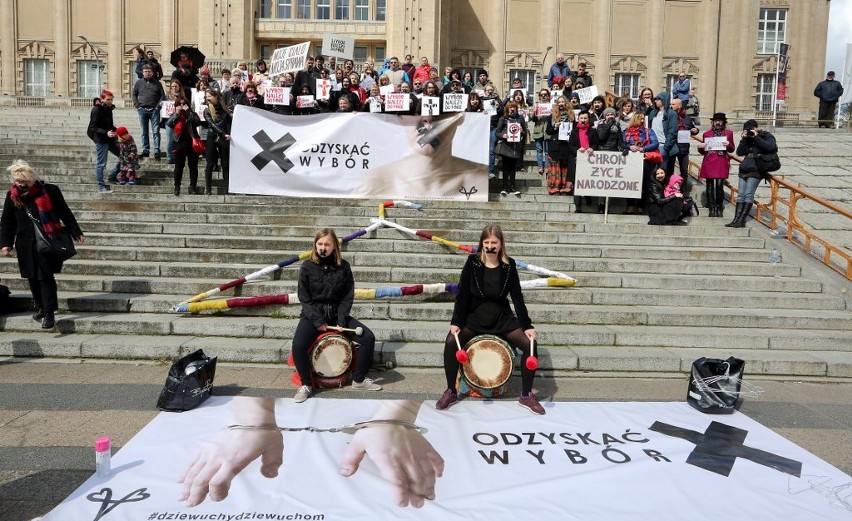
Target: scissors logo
<point>467,193</point>
<point>104,497</point>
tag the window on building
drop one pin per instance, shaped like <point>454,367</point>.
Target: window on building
<point>527,79</point>
<point>265,9</point>
<point>362,9</point>
<point>36,78</point>
<point>765,92</point>
<point>359,55</point>
<point>381,10</point>
<point>285,8</point>
<point>318,50</point>
<point>771,30</point>
<point>323,9</point>
<point>627,82</point>
<point>671,79</point>
<point>89,78</point>
<point>264,52</point>
<point>379,55</point>
<point>303,9</point>
<point>341,9</point>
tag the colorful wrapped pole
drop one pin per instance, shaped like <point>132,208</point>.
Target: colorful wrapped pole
<point>398,204</point>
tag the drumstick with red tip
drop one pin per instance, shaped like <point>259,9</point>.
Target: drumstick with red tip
<point>461,354</point>
<point>358,330</point>
<point>532,361</point>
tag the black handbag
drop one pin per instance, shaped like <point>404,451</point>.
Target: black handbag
<point>60,247</point>
<point>714,384</point>
<point>189,383</point>
<point>768,162</point>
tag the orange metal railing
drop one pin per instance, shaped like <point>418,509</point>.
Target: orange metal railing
<point>781,211</point>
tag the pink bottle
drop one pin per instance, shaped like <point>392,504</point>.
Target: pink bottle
<point>103,454</point>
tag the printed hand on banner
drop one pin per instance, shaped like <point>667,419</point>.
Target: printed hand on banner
<point>403,456</point>
<point>217,463</point>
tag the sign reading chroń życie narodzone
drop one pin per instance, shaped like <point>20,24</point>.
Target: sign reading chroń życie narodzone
<point>336,459</point>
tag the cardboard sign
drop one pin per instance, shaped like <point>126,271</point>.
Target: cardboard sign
<point>387,89</point>
<point>716,143</point>
<point>323,89</point>
<point>397,102</point>
<point>304,102</point>
<point>289,59</point>
<point>565,129</point>
<point>455,102</point>
<point>277,96</point>
<point>683,136</point>
<point>543,109</point>
<point>338,45</point>
<point>587,94</point>
<point>513,132</point>
<point>430,106</point>
<point>167,109</point>
<point>375,104</point>
<point>489,107</point>
<point>609,174</point>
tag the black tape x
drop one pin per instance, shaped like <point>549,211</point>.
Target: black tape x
<point>273,151</point>
<point>719,447</point>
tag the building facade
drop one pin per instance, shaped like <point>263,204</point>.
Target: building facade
<point>727,47</point>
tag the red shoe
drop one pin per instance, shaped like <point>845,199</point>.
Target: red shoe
<point>531,402</point>
<point>447,399</point>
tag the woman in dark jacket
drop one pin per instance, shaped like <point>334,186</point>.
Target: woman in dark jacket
<point>561,121</point>
<point>30,196</point>
<point>583,140</point>
<point>251,98</point>
<point>488,278</point>
<point>663,210</point>
<point>511,152</point>
<point>326,292</point>
<point>217,119</point>
<point>183,124</point>
<point>755,142</point>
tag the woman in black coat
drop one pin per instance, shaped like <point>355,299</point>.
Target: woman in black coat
<point>184,123</point>
<point>663,210</point>
<point>583,140</point>
<point>31,196</point>
<point>511,152</point>
<point>326,292</point>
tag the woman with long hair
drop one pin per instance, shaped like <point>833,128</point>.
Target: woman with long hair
<point>175,91</point>
<point>31,199</point>
<point>326,292</point>
<point>640,139</point>
<point>511,152</point>
<point>183,124</point>
<point>488,279</point>
<point>558,129</point>
<point>217,118</point>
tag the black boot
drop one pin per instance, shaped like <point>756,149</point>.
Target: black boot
<point>48,322</point>
<point>737,215</point>
<point>710,193</point>
<point>720,197</point>
<point>38,315</point>
<point>578,204</point>
<point>744,216</point>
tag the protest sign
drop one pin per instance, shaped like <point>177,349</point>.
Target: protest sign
<point>277,96</point>
<point>543,109</point>
<point>513,132</point>
<point>167,109</point>
<point>289,59</point>
<point>323,89</point>
<point>587,94</point>
<point>397,102</point>
<point>375,104</point>
<point>683,136</point>
<point>338,45</point>
<point>716,143</point>
<point>430,106</point>
<point>455,102</point>
<point>489,107</point>
<point>304,102</point>
<point>387,89</point>
<point>609,174</point>
<point>565,129</point>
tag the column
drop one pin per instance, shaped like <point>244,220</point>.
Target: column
<point>549,16</point>
<point>805,73</point>
<point>497,58</point>
<point>115,56</point>
<point>709,58</point>
<point>167,32</point>
<point>8,41</point>
<point>742,93</point>
<point>655,49</point>
<point>603,46</point>
<point>61,40</point>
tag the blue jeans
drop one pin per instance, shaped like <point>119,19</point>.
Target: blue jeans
<point>541,153</point>
<point>746,189</point>
<point>149,118</point>
<point>492,140</point>
<point>169,134</point>
<point>102,150</point>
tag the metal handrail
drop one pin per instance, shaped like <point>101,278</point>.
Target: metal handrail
<point>771,213</point>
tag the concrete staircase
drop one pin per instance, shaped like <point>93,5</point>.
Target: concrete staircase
<point>649,298</point>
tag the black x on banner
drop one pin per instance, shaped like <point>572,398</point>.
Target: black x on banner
<point>273,151</point>
<point>720,445</point>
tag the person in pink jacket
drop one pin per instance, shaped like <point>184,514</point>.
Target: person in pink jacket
<point>716,164</point>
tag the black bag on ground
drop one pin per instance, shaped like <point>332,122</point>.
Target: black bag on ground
<point>714,384</point>
<point>189,383</point>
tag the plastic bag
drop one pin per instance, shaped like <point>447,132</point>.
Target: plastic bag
<point>189,383</point>
<point>714,384</point>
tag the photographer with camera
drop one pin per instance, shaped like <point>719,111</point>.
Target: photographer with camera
<point>754,144</point>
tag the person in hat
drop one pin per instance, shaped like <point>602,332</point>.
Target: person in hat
<point>829,92</point>
<point>755,142</point>
<point>716,163</point>
<point>128,158</point>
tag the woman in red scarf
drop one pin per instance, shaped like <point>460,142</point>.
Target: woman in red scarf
<point>30,196</point>
<point>184,123</point>
<point>583,139</point>
<point>641,139</point>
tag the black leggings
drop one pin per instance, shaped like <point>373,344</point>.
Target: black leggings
<point>510,168</point>
<point>515,337</point>
<point>213,153</point>
<point>181,158</point>
<point>305,335</point>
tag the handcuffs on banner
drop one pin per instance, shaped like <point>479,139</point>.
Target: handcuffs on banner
<point>350,428</point>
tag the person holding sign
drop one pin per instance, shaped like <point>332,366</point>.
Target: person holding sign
<point>326,292</point>
<point>375,103</point>
<point>251,98</point>
<point>488,279</point>
<point>540,115</point>
<point>512,137</point>
<point>583,140</point>
<point>558,129</point>
<point>643,140</point>
<point>685,130</point>
<point>716,166</point>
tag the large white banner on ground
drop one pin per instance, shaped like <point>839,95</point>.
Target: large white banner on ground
<point>360,155</point>
<point>480,460</point>
<point>609,174</point>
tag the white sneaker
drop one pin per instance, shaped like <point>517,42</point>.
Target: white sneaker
<point>367,385</point>
<point>516,192</point>
<point>302,394</point>
<point>504,193</point>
